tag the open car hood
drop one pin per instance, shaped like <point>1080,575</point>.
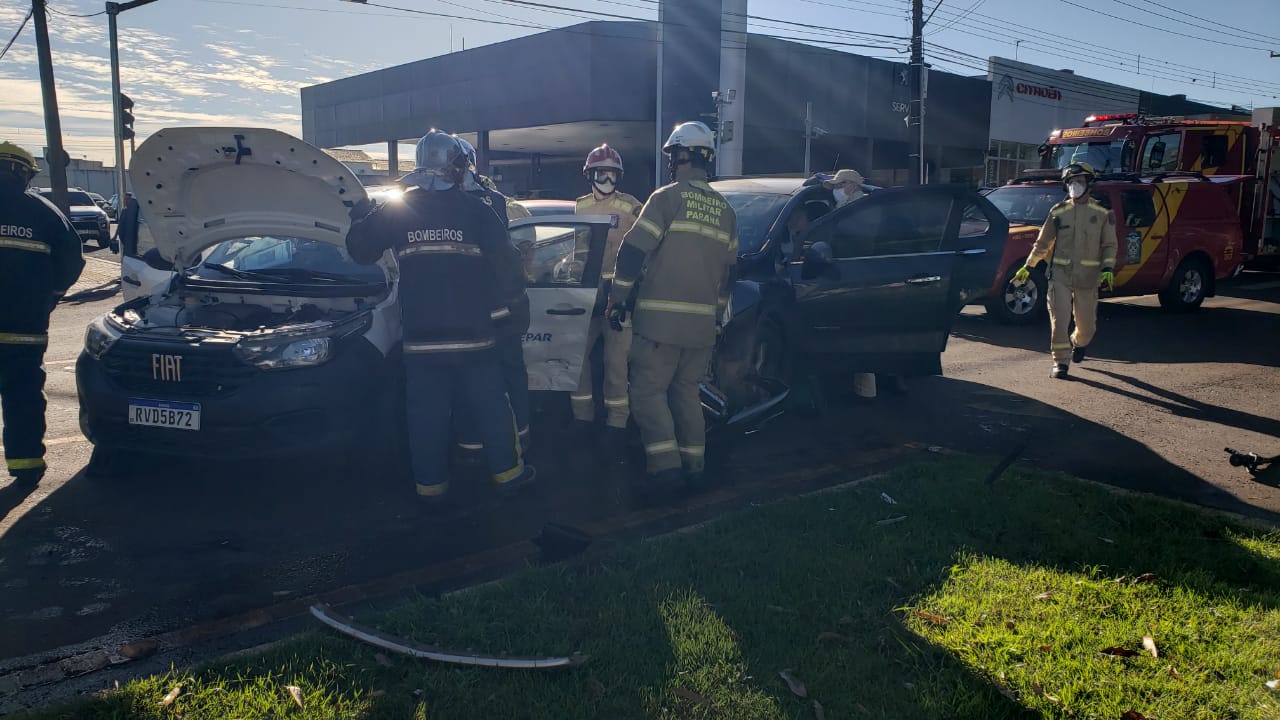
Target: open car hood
<point>198,186</point>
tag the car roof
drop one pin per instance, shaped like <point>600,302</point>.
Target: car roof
<point>761,185</point>
<point>545,202</point>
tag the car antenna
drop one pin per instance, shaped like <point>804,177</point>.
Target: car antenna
<point>836,165</point>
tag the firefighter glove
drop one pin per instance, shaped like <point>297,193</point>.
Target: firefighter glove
<point>617,316</point>
<point>1021,277</point>
<point>1108,280</point>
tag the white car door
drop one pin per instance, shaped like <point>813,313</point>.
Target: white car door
<point>137,278</point>
<point>562,257</point>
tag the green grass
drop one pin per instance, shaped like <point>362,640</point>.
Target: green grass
<point>941,615</point>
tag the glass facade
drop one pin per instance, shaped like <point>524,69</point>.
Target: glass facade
<point>1006,160</point>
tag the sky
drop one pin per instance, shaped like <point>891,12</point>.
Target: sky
<point>242,62</point>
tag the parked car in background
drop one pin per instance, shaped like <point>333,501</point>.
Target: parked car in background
<point>539,208</point>
<point>100,202</point>
<point>89,220</point>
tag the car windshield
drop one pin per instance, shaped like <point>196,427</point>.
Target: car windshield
<point>756,214</point>
<point>1026,204</point>
<point>73,197</point>
<point>284,257</point>
<point>1105,157</point>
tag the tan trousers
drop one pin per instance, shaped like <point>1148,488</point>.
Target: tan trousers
<point>616,346</point>
<point>666,405</point>
<point>1065,300</point>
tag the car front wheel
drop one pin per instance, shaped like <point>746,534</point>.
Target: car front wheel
<point>1020,304</point>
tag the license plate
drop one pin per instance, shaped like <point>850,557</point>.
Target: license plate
<point>164,413</point>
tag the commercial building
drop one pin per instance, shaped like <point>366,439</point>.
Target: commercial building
<point>535,106</point>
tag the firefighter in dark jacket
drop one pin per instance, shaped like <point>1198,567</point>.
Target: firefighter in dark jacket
<point>511,318</point>
<point>40,258</point>
<point>454,261</point>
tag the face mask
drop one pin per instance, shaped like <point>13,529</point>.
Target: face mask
<point>1075,189</point>
<point>841,195</point>
<point>604,183</point>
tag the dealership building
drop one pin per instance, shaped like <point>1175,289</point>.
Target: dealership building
<point>534,106</point>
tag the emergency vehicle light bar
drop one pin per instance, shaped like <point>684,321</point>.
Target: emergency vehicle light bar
<point>1105,118</point>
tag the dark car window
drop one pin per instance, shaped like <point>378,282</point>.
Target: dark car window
<point>285,253</point>
<point>73,198</point>
<point>1027,204</point>
<point>973,221</point>
<point>756,212</point>
<point>895,225</point>
<point>1139,208</point>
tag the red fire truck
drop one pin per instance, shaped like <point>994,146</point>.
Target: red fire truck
<point>1240,153</point>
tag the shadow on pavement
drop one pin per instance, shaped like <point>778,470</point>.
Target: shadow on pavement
<point>1180,405</point>
<point>175,543</point>
<point>1132,333</point>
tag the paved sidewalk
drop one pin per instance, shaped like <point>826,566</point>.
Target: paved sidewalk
<point>99,276</point>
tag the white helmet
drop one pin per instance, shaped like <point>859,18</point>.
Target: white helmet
<point>690,135</point>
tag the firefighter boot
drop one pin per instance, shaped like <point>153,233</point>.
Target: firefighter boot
<point>614,445</point>
<point>519,482</point>
<point>27,478</point>
<point>1059,372</point>
<point>1078,353</point>
<point>660,488</point>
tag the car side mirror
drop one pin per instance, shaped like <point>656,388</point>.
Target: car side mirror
<point>154,260</point>
<point>817,258</point>
<point>1157,155</point>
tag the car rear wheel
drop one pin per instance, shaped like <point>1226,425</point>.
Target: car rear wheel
<point>1188,287</point>
<point>1020,304</point>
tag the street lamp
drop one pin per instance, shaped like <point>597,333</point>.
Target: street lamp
<point>117,105</point>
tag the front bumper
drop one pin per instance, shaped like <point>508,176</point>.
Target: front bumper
<point>259,413</point>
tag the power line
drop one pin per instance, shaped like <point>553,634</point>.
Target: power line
<point>1163,30</point>
<point>1260,36</point>
<point>21,26</point>
<point>1003,27</point>
<point>56,11</point>
<point>976,4</point>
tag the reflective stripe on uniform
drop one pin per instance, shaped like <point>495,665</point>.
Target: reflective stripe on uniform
<point>712,232</point>
<point>580,398</point>
<point>649,227</point>
<point>28,245</point>
<point>500,313</point>
<point>512,474</point>
<point>623,282</point>
<point>660,447</point>
<point>23,339</point>
<point>430,347</point>
<point>25,463</point>
<point>1090,263</point>
<point>1060,346</point>
<point>694,450</point>
<point>433,490</point>
<point>606,276</point>
<point>677,307</point>
<point>1109,262</point>
<point>443,248</point>
<point>1061,261</point>
<point>471,446</point>
<point>620,204</point>
<point>617,402</point>
<point>522,432</point>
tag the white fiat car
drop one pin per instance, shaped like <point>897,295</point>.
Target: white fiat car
<point>247,330</point>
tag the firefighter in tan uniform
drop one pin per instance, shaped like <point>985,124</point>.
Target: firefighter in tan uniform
<point>604,169</point>
<point>686,243</point>
<point>1079,242</point>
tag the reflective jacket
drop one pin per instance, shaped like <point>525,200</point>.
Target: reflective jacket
<point>1079,240</point>
<point>40,258</point>
<point>454,260</point>
<point>686,243</point>
<point>622,210</point>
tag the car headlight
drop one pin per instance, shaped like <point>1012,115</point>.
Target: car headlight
<point>99,337</point>
<point>281,355</point>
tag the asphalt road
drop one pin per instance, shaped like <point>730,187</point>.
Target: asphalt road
<point>87,563</point>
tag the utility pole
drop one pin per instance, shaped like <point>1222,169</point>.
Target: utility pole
<point>915,121</point>
<point>56,158</point>
<point>117,108</point>
<point>808,134</point>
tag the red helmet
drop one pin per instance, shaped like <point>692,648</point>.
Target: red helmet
<point>602,157</point>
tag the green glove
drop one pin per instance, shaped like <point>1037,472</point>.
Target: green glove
<point>1108,280</point>
<point>1021,277</point>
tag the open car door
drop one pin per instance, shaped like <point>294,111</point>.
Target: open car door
<point>142,271</point>
<point>562,257</point>
<point>874,291</point>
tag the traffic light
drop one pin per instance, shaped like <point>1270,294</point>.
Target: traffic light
<point>126,117</point>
